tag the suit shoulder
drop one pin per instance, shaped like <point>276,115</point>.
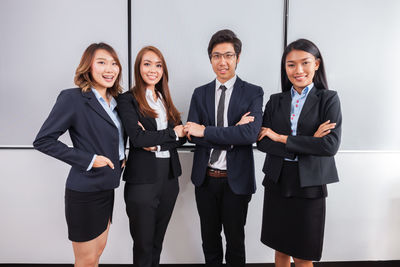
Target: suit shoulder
<point>201,90</point>
<point>275,96</point>
<point>328,94</point>
<point>71,91</point>
<point>250,86</point>
<point>203,87</point>
<point>125,95</point>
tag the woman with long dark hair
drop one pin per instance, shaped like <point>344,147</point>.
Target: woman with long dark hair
<point>154,127</point>
<point>97,156</point>
<point>301,134</point>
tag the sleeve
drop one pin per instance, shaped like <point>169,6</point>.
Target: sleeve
<point>91,163</point>
<point>194,117</point>
<point>137,136</point>
<point>60,119</point>
<point>172,145</point>
<point>241,134</point>
<point>266,144</point>
<point>324,146</point>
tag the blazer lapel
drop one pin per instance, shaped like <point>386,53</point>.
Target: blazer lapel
<point>153,122</point>
<point>285,107</point>
<point>210,102</point>
<point>96,106</point>
<point>311,101</point>
<point>235,99</point>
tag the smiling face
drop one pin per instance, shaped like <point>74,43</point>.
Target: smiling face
<point>104,70</point>
<point>151,69</point>
<point>300,68</point>
<point>224,61</point>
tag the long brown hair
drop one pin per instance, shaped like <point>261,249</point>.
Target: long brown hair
<point>83,76</point>
<point>139,90</point>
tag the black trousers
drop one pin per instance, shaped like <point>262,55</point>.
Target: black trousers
<point>149,208</point>
<point>219,208</point>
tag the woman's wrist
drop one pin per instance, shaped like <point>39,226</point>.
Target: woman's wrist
<point>283,138</point>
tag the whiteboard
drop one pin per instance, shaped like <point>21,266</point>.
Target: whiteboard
<point>359,41</point>
<point>41,46</point>
<point>182,31</point>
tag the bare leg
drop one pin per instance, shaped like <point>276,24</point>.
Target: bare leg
<point>302,263</point>
<point>282,259</point>
<point>87,254</point>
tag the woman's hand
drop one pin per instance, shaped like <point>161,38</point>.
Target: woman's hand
<point>141,126</point>
<point>324,129</point>
<point>179,130</point>
<point>101,161</point>
<point>245,119</point>
<point>268,132</point>
<point>151,148</point>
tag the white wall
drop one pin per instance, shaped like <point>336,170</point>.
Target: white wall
<point>363,213</point>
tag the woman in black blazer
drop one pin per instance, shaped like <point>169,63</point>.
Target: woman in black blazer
<point>300,134</point>
<point>154,128</point>
<point>97,155</point>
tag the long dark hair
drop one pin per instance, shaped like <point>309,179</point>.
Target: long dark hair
<point>319,80</point>
<point>139,90</point>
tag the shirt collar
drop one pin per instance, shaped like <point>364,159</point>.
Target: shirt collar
<point>305,91</point>
<point>149,95</point>
<point>228,84</point>
<point>113,102</point>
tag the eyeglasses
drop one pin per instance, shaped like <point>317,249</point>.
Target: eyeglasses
<point>226,56</point>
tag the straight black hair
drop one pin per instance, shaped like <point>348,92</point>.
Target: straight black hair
<point>319,80</point>
<point>225,36</point>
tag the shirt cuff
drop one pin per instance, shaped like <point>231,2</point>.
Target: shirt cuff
<point>91,163</point>
<point>158,148</point>
<point>177,137</point>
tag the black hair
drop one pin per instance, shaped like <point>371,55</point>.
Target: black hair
<point>319,80</point>
<point>225,36</point>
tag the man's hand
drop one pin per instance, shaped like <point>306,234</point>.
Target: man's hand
<point>192,128</point>
<point>245,119</point>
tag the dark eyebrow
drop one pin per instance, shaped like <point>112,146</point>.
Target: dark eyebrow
<point>102,58</point>
<point>147,60</point>
<point>303,59</point>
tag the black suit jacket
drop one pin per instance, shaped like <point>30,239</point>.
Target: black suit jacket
<point>92,132</point>
<point>237,140</point>
<point>315,155</point>
<point>140,164</point>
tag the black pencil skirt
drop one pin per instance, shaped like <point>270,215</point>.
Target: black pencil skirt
<point>293,217</point>
<point>88,213</point>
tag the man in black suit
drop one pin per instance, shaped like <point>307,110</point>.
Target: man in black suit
<point>224,120</point>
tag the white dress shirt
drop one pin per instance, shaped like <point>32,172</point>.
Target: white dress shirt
<point>221,162</point>
<point>161,120</point>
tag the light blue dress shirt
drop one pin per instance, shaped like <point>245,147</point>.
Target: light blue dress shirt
<point>298,101</point>
<point>110,109</point>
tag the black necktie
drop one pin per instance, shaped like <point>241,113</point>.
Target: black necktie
<point>220,122</point>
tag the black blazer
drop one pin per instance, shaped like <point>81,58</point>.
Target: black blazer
<point>140,165</point>
<point>92,132</point>
<point>315,155</point>
<point>237,140</point>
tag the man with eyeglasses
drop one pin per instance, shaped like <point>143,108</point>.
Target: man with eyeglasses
<point>224,120</point>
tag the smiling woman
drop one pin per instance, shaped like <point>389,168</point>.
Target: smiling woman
<point>155,130</point>
<point>301,134</point>
<point>97,157</point>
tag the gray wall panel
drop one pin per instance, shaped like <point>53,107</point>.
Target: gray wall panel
<point>360,42</point>
<point>42,42</point>
<point>182,30</point>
